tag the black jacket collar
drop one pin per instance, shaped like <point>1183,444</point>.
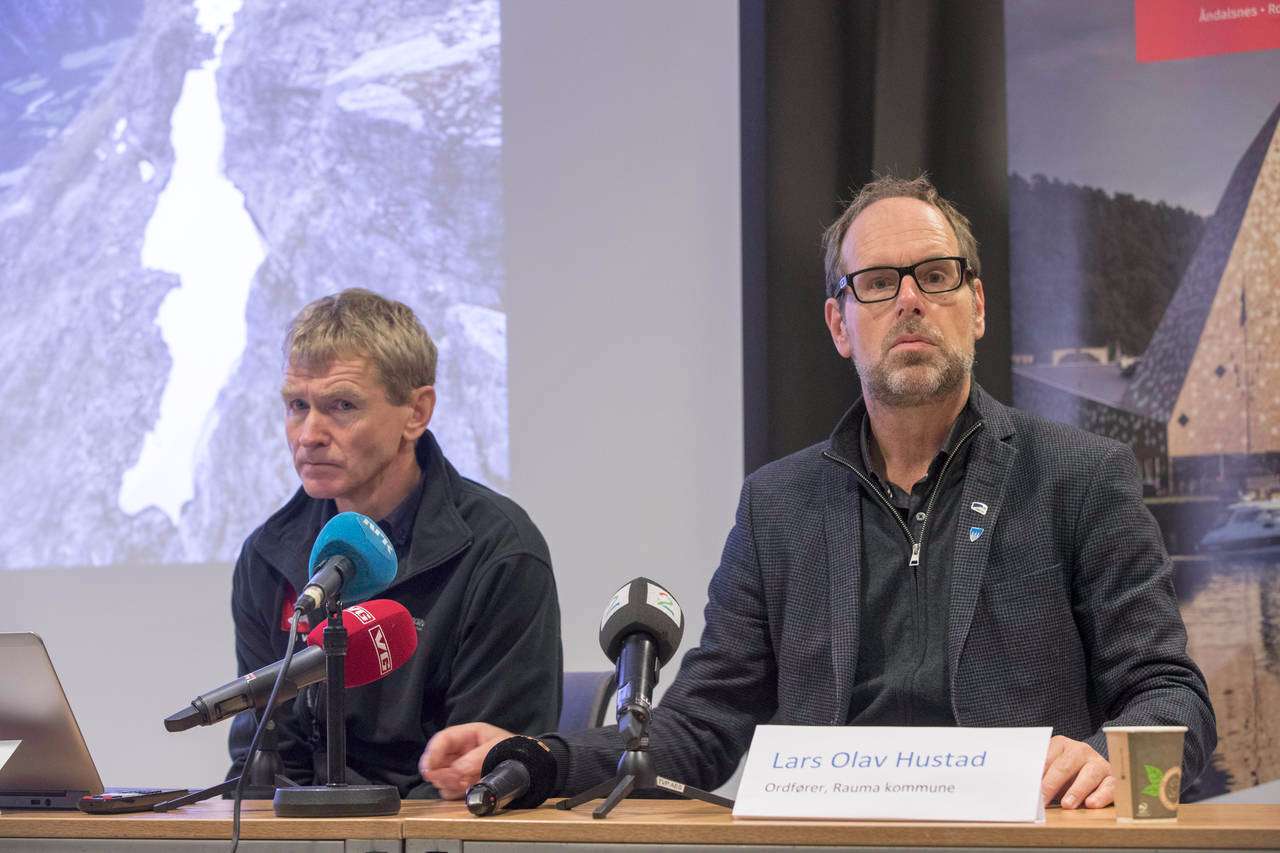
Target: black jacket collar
<point>284,541</point>
<point>844,440</point>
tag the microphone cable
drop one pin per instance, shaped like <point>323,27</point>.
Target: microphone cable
<point>257,735</point>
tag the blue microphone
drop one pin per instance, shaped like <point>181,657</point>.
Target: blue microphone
<point>352,556</point>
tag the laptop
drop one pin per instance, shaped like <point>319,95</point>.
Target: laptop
<point>44,762</point>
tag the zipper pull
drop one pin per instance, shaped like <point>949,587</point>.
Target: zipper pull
<point>915,554</point>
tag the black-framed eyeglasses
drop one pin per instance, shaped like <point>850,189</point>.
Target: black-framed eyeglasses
<point>880,284</point>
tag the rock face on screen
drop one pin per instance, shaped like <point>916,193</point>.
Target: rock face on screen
<point>177,179</point>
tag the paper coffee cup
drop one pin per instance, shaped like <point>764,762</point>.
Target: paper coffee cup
<point>1147,764</point>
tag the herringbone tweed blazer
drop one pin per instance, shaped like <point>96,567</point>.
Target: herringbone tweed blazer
<point>1062,610</point>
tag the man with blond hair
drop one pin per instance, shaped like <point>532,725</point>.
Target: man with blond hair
<point>941,560</point>
<point>358,395</point>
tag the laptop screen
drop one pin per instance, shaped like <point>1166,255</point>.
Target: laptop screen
<point>49,766</point>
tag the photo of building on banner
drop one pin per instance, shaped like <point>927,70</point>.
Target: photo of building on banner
<point>1144,192</point>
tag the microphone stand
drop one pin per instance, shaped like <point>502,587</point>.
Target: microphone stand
<point>636,772</point>
<point>264,774</point>
<point>267,771</point>
<point>336,798</point>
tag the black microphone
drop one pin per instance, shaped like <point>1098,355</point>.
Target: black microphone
<point>640,631</point>
<point>518,773</point>
<point>381,637</point>
<point>250,691</point>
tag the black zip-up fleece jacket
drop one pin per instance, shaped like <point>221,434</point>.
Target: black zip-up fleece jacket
<point>477,579</point>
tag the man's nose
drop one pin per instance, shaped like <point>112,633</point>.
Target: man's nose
<point>313,432</point>
<point>909,298</point>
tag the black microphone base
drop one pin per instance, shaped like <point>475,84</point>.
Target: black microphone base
<point>336,801</point>
<point>621,787</point>
<point>253,792</point>
<point>635,774</point>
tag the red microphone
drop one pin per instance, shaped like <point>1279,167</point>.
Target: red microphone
<point>381,637</point>
<point>374,630</point>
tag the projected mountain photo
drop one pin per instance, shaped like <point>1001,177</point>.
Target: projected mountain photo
<point>177,179</point>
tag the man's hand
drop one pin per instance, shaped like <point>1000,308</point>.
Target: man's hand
<point>1077,772</point>
<point>454,756</point>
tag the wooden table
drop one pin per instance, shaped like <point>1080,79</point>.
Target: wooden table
<point>425,826</point>
<point>208,822</point>
<point>672,822</point>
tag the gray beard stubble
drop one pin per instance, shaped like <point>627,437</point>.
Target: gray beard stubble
<point>889,384</point>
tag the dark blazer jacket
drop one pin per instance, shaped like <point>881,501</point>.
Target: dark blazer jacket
<point>1062,610</point>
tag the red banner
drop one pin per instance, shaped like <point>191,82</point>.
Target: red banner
<point>1183,29</point>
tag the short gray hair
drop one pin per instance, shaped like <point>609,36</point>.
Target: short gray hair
<point>888,186</point>
<point>359,323</point>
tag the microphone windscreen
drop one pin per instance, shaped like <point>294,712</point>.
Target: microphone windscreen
<point>380,637</point>
<point>358,538</point>
<point>642,606</point>
<point>536,758</point>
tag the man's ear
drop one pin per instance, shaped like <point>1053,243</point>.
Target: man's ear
<point>979,310</point>
<point>839,331</point>
<point>422,404</point>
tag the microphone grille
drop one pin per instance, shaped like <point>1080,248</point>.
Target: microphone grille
<point>381,636</point>
<point>645,606</point>
<point>358,538</point>
<point>536,758</point>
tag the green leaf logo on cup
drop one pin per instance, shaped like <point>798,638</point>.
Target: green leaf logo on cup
<point>1163,784</point>
<point>1154,776</point>
<point>1139,756</point>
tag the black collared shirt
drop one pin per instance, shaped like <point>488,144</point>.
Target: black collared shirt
<point>901,677</point>
<point>398,524</point>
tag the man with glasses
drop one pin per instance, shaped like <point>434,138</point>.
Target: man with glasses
<point>941,560</point>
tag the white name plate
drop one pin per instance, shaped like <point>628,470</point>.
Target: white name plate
<point>7,749</point>
<point>894,773</point>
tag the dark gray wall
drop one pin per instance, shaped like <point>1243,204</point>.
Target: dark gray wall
<point>831,92</point>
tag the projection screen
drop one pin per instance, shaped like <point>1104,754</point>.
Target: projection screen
<point>553,187</point>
